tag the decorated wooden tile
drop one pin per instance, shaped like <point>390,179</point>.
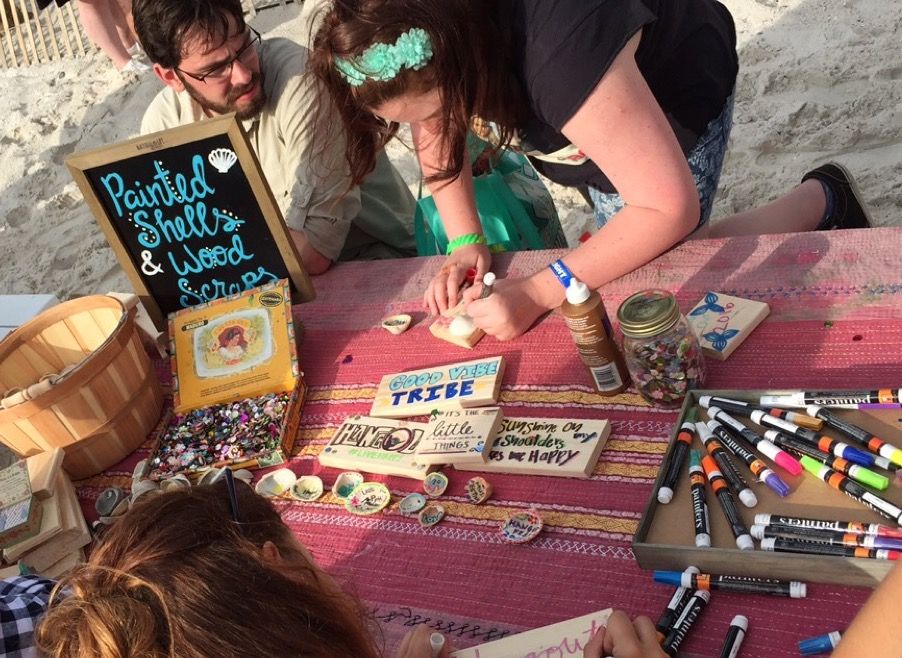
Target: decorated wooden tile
<point>722,322</point>
<point>376,445</point>
<point>459,436</point>
<point>455,386</point>
<point>545,446</point>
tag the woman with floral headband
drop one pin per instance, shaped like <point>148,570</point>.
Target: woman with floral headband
<point>632,98</point>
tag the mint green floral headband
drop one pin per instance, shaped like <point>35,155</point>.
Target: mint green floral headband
<point>383,61</point>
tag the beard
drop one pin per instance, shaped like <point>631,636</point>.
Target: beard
<point>242,112</point>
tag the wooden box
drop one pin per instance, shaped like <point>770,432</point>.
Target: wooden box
<point>665,538</point>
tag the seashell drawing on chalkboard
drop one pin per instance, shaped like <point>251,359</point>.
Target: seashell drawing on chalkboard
<point>222,159</point>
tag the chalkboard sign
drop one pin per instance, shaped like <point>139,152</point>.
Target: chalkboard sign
<point>189,215</point>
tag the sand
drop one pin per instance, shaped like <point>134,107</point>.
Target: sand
<point>819,80</point>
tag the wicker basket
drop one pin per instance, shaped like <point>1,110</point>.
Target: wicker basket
<point>102,409</point>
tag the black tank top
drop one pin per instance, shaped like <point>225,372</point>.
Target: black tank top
<point>562,48</point>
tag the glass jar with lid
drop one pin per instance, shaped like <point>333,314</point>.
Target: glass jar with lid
<point>661,352</point>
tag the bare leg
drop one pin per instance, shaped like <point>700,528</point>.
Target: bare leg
<point>104,21</point>
<point>801,209</point>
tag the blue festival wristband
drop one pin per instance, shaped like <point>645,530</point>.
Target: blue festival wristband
<point>562,272</point>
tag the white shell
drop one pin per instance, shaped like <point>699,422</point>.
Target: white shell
<point>177,481</point>
<point>276,483</point>
<point>244,475</point>
<point>461,326</point>
<point>308,488</point>
<point>222,159</point>
<point>397,324</point>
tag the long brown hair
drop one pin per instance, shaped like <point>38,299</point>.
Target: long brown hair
<point>177,577</point>
<point>471,68</point>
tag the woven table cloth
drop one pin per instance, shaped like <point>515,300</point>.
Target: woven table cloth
<point>835,322</point>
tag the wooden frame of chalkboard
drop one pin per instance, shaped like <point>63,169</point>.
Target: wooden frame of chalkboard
<point>189,215</point>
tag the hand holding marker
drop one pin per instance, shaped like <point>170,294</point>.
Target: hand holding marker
<point>678,457</point>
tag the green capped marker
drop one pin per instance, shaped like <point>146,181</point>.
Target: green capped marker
<point>822,459</point>
<point>852,489</point>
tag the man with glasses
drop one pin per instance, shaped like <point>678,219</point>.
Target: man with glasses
<point>212,63</point>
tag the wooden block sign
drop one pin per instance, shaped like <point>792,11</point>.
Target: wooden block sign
<point>459,436</point>
<point>189,215</point>
<point>376,445</point>
<point>545,446</point>
<point>722,322</point>
<point>566,638</point>
<point>456,386</point>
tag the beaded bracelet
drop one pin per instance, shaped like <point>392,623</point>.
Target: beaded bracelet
<point>463,240</point>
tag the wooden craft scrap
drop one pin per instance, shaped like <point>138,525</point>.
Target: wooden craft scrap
<point>455,386</point>
<point>376,445</point>
<point>459,436</point>
<point>722,322</point>
<point>545,446</point>
<point>478,490</point>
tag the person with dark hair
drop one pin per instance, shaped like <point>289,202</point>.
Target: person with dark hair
<point>213,63</point>
<point>632,98</point>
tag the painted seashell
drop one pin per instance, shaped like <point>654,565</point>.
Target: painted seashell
<point>521,527</point>
<point>277,483</point>
<point>178,481</point>
<point>397,324</point>
<point>368,498</point>
<point>435,484</point>
<point>222,159</point>
<point>431,514</point>
<point>308,488</point>
<point>478,490</point>
<point>345,484</point>
<point>412,503</point>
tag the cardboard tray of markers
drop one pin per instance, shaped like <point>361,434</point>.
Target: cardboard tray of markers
<point>665,538</point>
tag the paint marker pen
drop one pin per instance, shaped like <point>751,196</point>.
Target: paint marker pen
<point>756,466</point>
<point>697,481</point>
<point>746,496</point>
<point>835,399</point>
<point>740,407</point>
<point>735,635</point>
<point>436,643</point>
<point>681,445</point>
<point>780,457</point>
<point>674,607</point>
<point>798,418</point>
<point>680,630</point>
<point>783,545</point>
<point>877,529</point>
<point>834,537</point>
<point>793,589</point>
<point>854,471</point>
<point>875,445</point>
<point>727,504</point>
<point>853,489</point>
<point>825,643</point>
<point>837,448</point>
<point>488,280</point>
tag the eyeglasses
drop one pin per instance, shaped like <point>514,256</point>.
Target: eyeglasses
<point>222,71</point>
